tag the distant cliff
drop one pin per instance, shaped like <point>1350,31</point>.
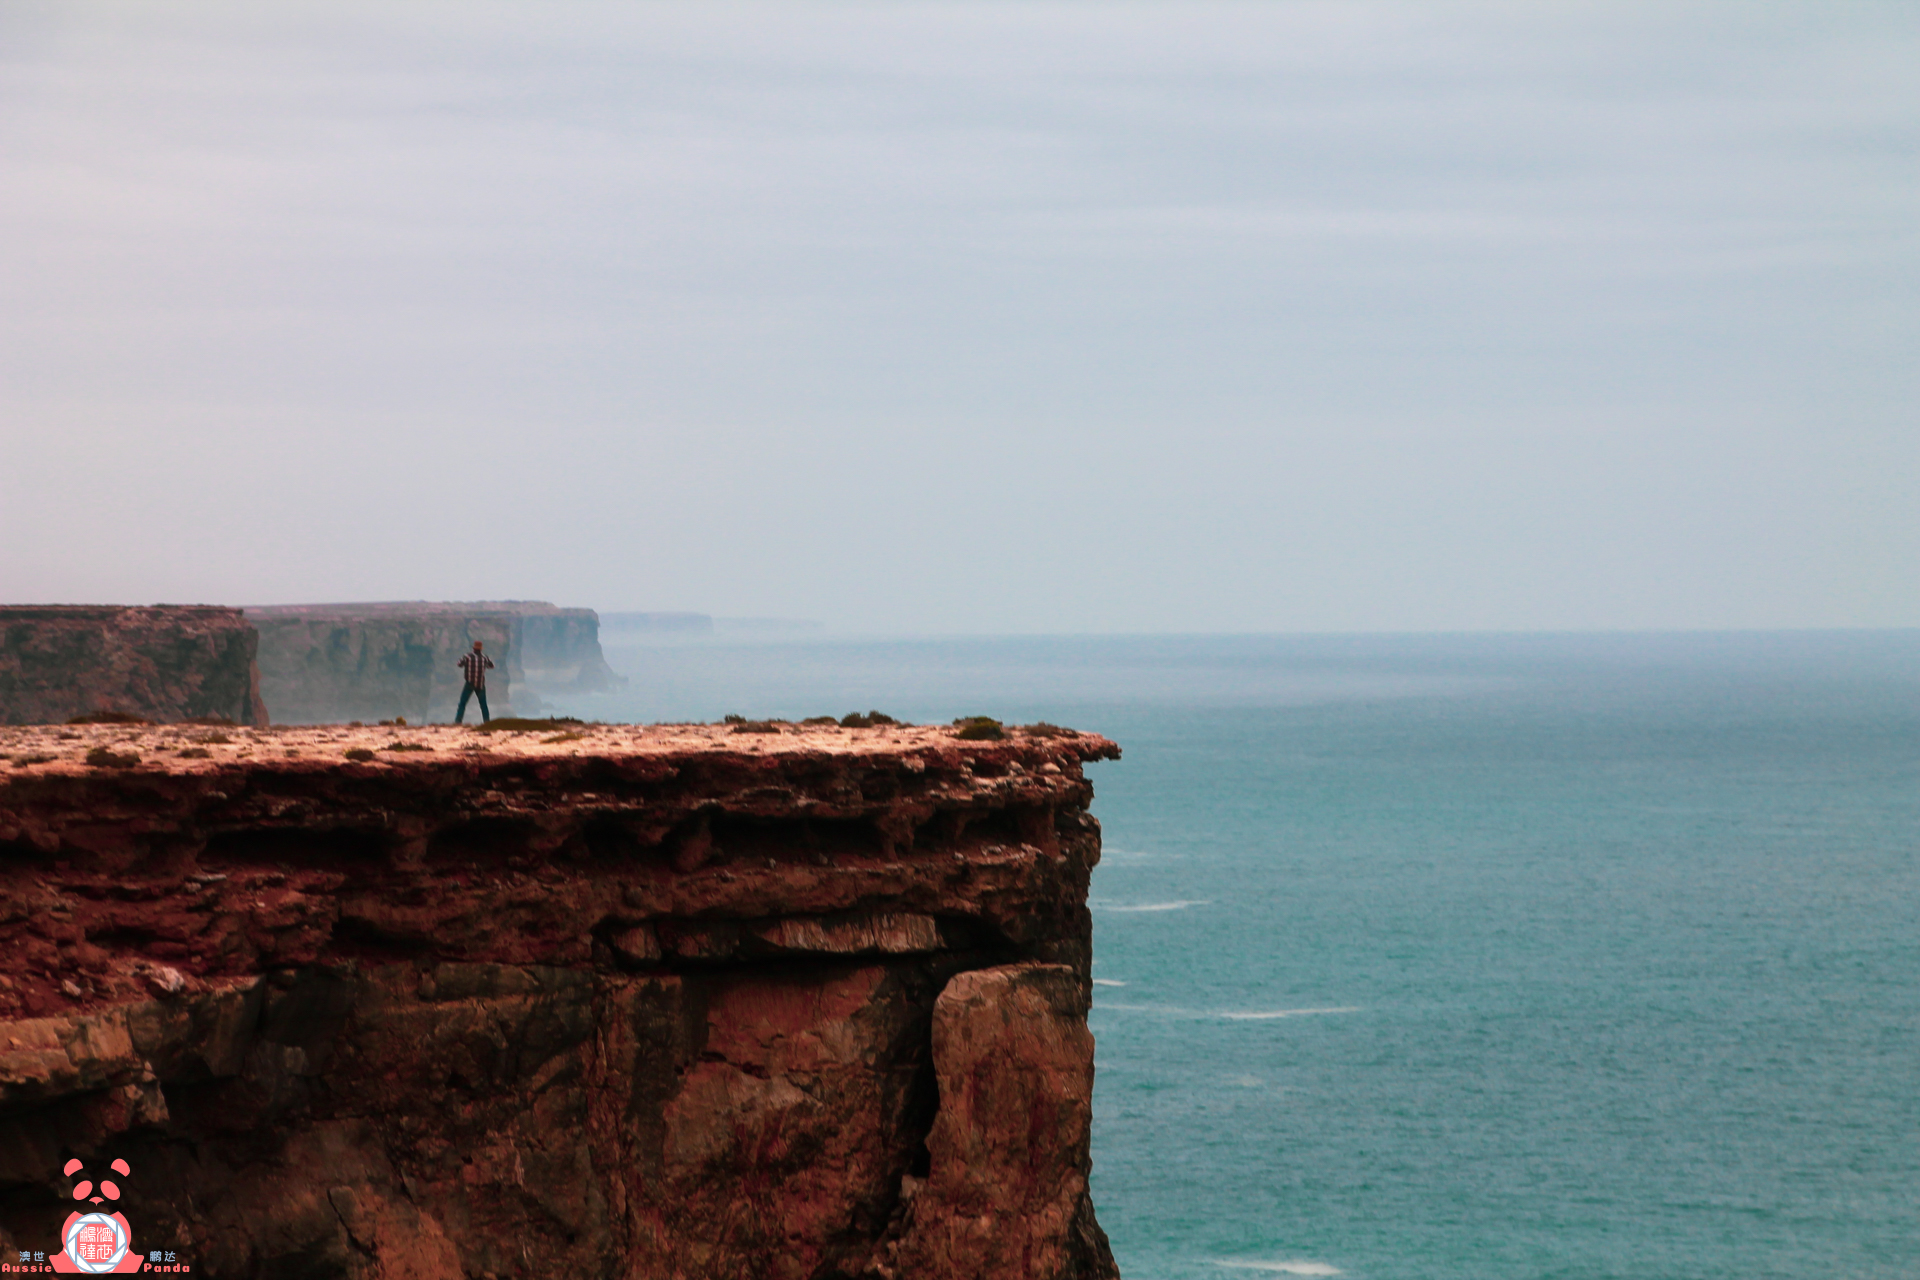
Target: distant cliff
<point>164,662</point>
<point>330,663</point>
<point>794,1003</point>
<point>556,650</point>
<point>375,661</point>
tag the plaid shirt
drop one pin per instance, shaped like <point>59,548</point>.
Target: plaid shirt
<point>474,667</point>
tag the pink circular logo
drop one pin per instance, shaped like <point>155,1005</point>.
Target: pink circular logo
<point>96,1243</point>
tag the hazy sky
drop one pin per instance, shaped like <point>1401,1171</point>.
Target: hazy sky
<point>960,317</point>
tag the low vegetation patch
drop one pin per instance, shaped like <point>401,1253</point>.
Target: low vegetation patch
<point>1041,729</point>
<point>753,726</point>
<point>406,746</point>
<point>20,762</point>
<point>526,724</point>
<point>871,720</point>
<point>819,720</point>
<point>195,753</point>
<point>978,729</point>
<point>359,753</point>
<point>107,758</point>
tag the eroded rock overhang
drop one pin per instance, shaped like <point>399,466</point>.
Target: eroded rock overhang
<point>601,1001</point>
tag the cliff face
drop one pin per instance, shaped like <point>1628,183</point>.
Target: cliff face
<point>338,662</point>
<point>322,663</point>
<point>166,662</point>
<point>558,650</point>
<point>605,1002</point>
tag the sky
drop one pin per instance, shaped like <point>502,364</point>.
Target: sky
<point>970,317</point>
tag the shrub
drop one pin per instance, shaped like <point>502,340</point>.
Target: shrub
<point>525,724</point>
<point>871,720</point>
<point>106,758</point>
<point>109,717</point>
<point>978,728</point>
<point>359,753</point>
<point>755,726</point>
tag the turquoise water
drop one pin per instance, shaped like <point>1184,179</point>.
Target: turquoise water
<point>1469,956</point>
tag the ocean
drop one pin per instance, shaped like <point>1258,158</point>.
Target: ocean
<point>1475,957</point>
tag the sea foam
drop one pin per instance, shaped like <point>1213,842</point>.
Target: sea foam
<point>1178,905</point>
<point>1292,1267</point>
<point>1178,1011</point>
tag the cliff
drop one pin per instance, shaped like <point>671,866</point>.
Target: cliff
<point>341,662</point>
<point>557,650</point>
<point>321,663</point>
<point>597,1001</point>
<point>164,662</point>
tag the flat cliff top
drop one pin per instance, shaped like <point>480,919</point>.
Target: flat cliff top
<point>30,751</point>
<point>124,614</point>
<point>414,608</point>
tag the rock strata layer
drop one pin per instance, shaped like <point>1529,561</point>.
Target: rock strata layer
<point>599,1001</point>
<point>163,662</point>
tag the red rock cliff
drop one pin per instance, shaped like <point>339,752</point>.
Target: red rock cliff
<point>667,1002</point>
<point>164,662</point>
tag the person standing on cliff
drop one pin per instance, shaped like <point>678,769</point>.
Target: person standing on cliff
<point>474,667</point>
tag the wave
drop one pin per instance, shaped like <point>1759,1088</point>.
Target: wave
<point>1296,1267</point>
<point>1232,1015</point>
<point>1177,905</point>
<point>1108,982</point>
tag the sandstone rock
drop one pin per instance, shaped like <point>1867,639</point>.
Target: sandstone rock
<point>1006,1191</point>
<point>893,933</point>
<point>460,1012</point>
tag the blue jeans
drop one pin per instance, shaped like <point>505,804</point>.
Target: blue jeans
<point>468,692</point>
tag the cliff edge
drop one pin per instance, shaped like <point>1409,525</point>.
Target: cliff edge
<point>673,1001</point>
